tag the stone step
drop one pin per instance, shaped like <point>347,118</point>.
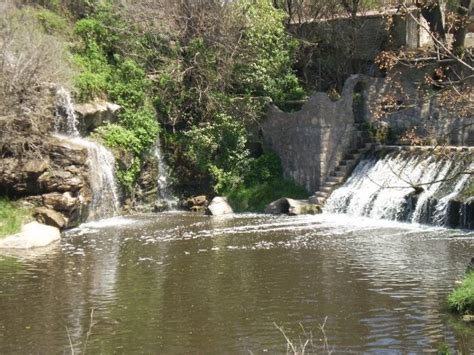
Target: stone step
<point>340,172</point>
<point>327,189</point>
<point>335,179</point>
<point>331,183</point>
<point>321,194</point>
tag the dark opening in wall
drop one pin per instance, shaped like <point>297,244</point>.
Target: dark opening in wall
<point>359,104</point>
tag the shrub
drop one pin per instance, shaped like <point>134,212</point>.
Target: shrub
<point>11,218</point>
<point>461,300</point>
<point>263,184</point>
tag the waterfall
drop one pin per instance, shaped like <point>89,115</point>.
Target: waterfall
<point>101,162</point>
<point>165,194</point>
<point>440,214</point>
<point>65,120</point>
<point>384,187</point>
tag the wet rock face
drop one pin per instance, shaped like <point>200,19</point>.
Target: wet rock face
<point>53,178</point>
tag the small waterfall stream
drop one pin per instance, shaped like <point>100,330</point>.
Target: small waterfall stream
<point>384,187</point>
<point>165,194</point>
<point>105,197</point>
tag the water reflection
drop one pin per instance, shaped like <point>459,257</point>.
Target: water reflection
<point>178,283</point>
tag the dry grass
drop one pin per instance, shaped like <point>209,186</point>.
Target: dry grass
<point>307,342</point>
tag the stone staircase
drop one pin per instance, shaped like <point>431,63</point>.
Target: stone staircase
<point>340,174</point>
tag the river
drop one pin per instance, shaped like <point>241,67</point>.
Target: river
<point>182,283</point>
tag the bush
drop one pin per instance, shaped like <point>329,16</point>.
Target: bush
<point>12,218</point>
<point>461,300</point>
<point>263,184</point>
<point>29,58</point>
<point>106,73</point>
<point>219,149</point>
<point>116,136</point>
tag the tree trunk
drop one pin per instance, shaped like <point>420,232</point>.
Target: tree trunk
<point>460,33</point>
<point>434,16</point>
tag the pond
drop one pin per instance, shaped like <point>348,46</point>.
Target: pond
<point>182,283</point>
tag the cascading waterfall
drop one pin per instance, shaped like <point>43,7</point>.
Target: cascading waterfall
<point>105,197</point>
<point>440,214</point>
<point>165,194</point>
<point>405,186</point>
<point>65,121</point>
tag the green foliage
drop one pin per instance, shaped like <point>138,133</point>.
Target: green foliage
<point>219,149</point>
<point>105,72</point>
<point>11,217</point>
<point>128,177</point>
<point>225,88</point>
<point>52,23</point>
<point>461,300</point>
<point>254,198</point>
<point>265,65</point>
<point>263,183</point>
<point>119,137</point>
<point>207,90</point>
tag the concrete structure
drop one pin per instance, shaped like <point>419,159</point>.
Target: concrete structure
<point>315,142</point>
<point>312,142</point>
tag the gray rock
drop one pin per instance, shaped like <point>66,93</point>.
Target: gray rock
<point>219,206</point>
<point>292,207</point>
<point>95,114</point>
<point>32,235</point>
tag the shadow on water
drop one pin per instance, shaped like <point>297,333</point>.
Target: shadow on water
<point>174,283</point>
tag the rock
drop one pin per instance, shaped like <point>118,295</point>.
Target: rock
<point>32,235</point>
<point>67,153</point>
<point>61,181</point>
<point>468,318</point>
<point>292,207</point>
<point>199,209</point>
<point>196,204</point>
<point>60,202</point>
<point>95,114</point>
<point>35,167</point>
<point>219,206</point>
<point>197,201</point>
<point>160,206</point>
<point>50,217</point>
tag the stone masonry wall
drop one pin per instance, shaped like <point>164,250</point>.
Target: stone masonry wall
<point>313,141</point>
<point>431,122</point>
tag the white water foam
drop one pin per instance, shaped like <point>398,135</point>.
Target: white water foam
<point>105,196</point>
<point>381,188</point>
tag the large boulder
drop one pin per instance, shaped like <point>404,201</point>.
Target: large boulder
<point>219,206</point>
<point>32,235</point>
<point>292,207</point>
<point>50,217</point>
<point>95,114</point>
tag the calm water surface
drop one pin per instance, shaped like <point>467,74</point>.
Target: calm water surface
<point>180,283</point>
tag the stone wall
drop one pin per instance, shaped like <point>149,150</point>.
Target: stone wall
<point>312,141</point>
<point>373,33</point>
<point>432,122</point>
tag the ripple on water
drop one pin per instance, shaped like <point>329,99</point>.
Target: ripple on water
<point>183,283</point>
